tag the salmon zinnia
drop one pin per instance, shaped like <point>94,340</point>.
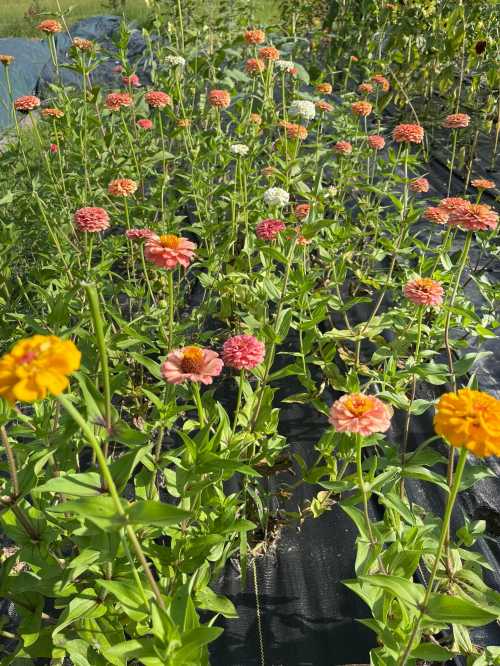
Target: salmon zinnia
<point>191,364</point>
<point>37,366</point>
<point>254,36</point>
<point>408,133</point>
<point>168,251</point>
<point>243,352</point>
<point>424,291</point>
<point>50,27</point>
<point>362,109</point>
<point>456,121</point>
<point>156,99</point>
<point>27,103</point>
<point>360,413</point>
<point>91,219</point>
<point>117,101</point>
<point>122,187</point>
<point>220,99</point>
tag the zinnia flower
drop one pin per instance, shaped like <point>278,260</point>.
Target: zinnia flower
<point>376,142</point>
<point>436,214</point>
<point>303,108</point>
<point>452,204</point>
<point>483,184</point>
<point>269,53</point>
<point>268,171</point>
<point>82,44</point>
<point>419,185</point>
<point>117,101</point>
<point>52,113</point>
<point>192,364</point>
<point>470,419</point>
<point>269,229</point>
<point>36,366</point>
<point>381,81</point>
<point>156,99</point>
<point>50,27</point>
<point>343,147</point>
<point>91,219</point>
<point>254,36</point>
<point>145,123</point>
<point>325,88</point>
<point>424,291</point>
<point>359,413</point>
<point>239,149</point>
<point>302,211</point>
<point>243,352</point>
<point>54,148</point>
<point>220,99</point>
<point>132,81</point>
<point>122,187</point>
<point>408,133</point>
<point>255,119</point>
<point>276,196</point>
<point>174,61</point>
<point>169,250</point>
<point>294,131</point>
<point>183,123</point>
<point>138,234</point>
<point>324,106</point>
<point>255,66</point>
<point>365,88</point>
<point>362,109</point>
<point>27,103</point>
<point>6,59</point>
<point>456,121</point>
<point>474,217</point>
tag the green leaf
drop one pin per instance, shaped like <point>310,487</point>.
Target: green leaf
<point>194,640</point>
<point>412,593</point>
<point>99,510</point>
<point>152,366</point>
<point>149,512</point>
<point>432,652</point>
<point>207,599</point>
<point>455,610</point>
<point>83,607</point>
<point>80,485</point>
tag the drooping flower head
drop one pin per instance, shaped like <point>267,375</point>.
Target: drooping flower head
<point>27,103</point>
<point>343,148</point>
<point>91,219</point>
<point>156,99</point>
<point>420,185</point>
<point>303,108</point>
<point>483,184</point>
<point>169,250</point>
<point>145,123</point>
<point>293,130</point>
<point>133,81</point>
<point>243,352</point>
<point>193,364</point>
<point>220,99</point>
<point>268,171</point>
<point>376,142</point>
<point>365,88</point>
<point>6,59</point>
<point>255,66</point>
<point>382,82</point>
<point>49,27</point>
<point>474,217</point>
<point>52,113</point>
<point>456,121</point>
<point>116,101</point>
<point>424,291</point>
<point>361,109</point>
<point>37,366</point>
<point>140,234</point>
<point>408,133</point>
<point>269,53</point>
<point>254,36</point>
<point>469,419</point>
<point>122,187</point>
<point>324,88</point>
<point>436,214</point>
<point>276,196</point>
<point>302,210</point>
<point>269,229</point>
<point>360,413</point>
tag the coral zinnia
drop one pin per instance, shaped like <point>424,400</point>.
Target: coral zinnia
<point>116,101</point>
<point>470,419</point>
<point>456,121</point>
<point>82,44</point>
<point>36,366</point>
<point>50,27</point>
<point>419,185</point>
<point>91,219</point>
<point>122,187</point>
<point>365,88</point>
<point>408,133</point>
<point>254,36</point>
<point>452,204</point>
<point>376,142</point>
<point>325,88</point>
<point>191,364</point>
<point>359,413</point>
<point>220,99</point>
<point>26,103</point>
<point>424,291</point>
<point>324,106</point>
<point>436,214</point>
<point>362,109</point>
<point>343,147</point>
<point>145,123</point>
<point>293,130</point>
<point>269,53</point>
<point>483,184</point>
<point>474,217</point>
<point>302,211</point>
<point>269,229</point>
<point>255,66</point>
<point>156,99</point>
<point>381,81</point>
<point>243,352</point>
<point>52,113</point>
<point>169,250</point>
<point>133,81</point>
<point>140,233</point>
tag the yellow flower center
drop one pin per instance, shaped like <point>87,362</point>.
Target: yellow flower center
<point>359,405</point>
<point>192,359</point>
<point>171,241</point>
<point>425,285</point>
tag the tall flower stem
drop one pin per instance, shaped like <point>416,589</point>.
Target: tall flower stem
<point>181,25</point>
<point>11,461</point>
<point>164,167</point>
<point>238,399</point>
<point>170,288</point>
<point>199,405</point>
<point>453,154</point>
<point>442,539</point>
<point>110,484</point>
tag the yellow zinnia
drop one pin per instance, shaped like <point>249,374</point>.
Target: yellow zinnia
<point>470,419</point>
<point>36,366</point>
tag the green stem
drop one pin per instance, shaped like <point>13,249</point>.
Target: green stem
<point>170,333</point>
<point>11,462</point>
<point>238,399</point>
<point>199,405</point>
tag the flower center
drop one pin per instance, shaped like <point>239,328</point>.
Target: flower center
<point>358,405</point>
<point>171,241</point>
<point>28,357</point>
<point>192,359</point>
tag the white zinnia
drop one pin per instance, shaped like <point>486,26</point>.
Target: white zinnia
<point>175,61</point>
<point>331,192</point>
<point>239,149</point>
<point>275,196</point>
<point>285,65</point>
<point>303,108</point>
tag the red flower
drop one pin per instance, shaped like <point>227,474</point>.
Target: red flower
<point>269,229</point>
<point>132,80</point>
<point>145,123</point>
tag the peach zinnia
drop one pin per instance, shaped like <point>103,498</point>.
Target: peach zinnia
<point>91,219</point>
<point>408,133</point>
<point>243,352</point>
<point>452,204</point>
<point>37,366</point>
<point>26,103</point>
<point>343,147</point>
<point>169,251</point>
<point>456,121</point>
<point>324,88</point>
<point>117,101</point>
<point>255,66</point>
<point>220,99</point>
<point>192,364</point>
<point>50,27</point>
<point>52,113</point>
<point>302,211</point>
<point>376,142</point>
<point>269,53</point>
<point>436,214</point>
<point>362,109</point>
<point>424,291</point>
<point>419,185</point>
<point>474,217</point>
<point>483,184</point>
<point>365,88</point>
<point>360,413</point>
<point>156,99</point>
<point>294,131</point>
<point>255,119</point>
<point>254,36</point>
<point>122,187</point>
<point>140,234</point>
<point>381,81</point>
<point>82,44</point>
<point>324,106</point>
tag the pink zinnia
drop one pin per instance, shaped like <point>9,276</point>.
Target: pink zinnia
<point>91,219</point>
<point>54,148</point>
<point>456,121</point>
<point>27,103</point>
<point>436,214</point>
<point>269,229</point>
<point>323,105</point>
<point>132,81</point>
<point>243,352</point>
<point>169,250</point>
<point>343,147</point>
<point>365,88</point>
<point>156,99</point>
<point>474,217</point>
<point>376,142</point>
<point>359,413</point>
<point>122,187</point>
<point>221,99</point>
<point>419,185</point>
<point>255,66</point>
<point>117,101</point>
<point>424,291</point>
<point>483,184</point>
<point>191,364</point>
<point>408,133</point>
<point>140,233</point>
<point>145,123</point>
<point>453,203</point>
<point>302,210</point>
